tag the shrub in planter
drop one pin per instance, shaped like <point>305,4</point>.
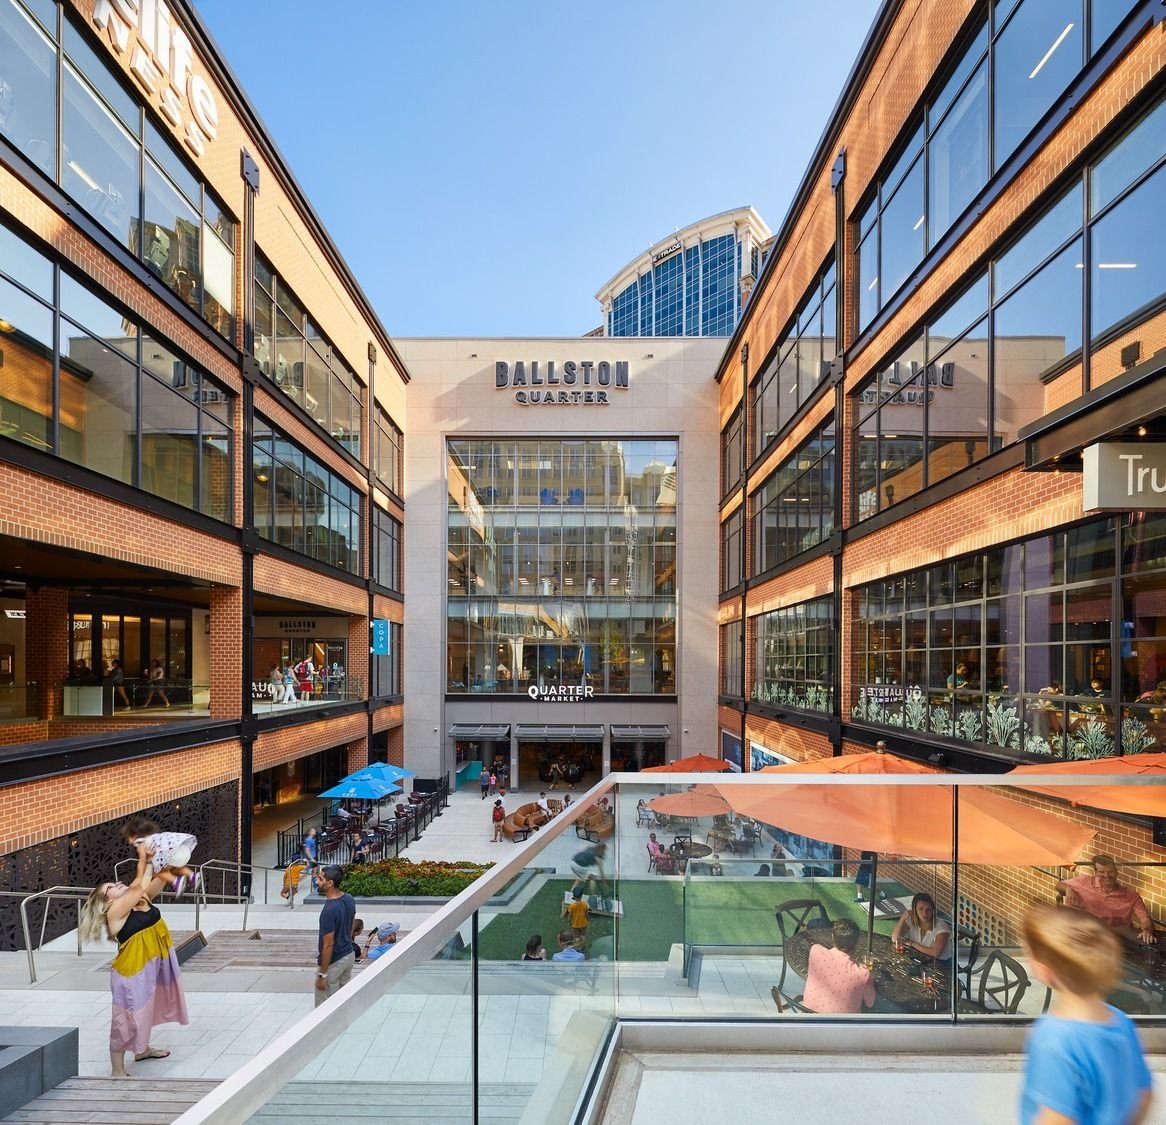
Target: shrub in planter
<point>403,877</point>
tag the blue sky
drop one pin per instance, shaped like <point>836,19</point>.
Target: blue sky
<point>486,167</point>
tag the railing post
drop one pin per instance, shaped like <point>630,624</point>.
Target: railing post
<point>27,940</point>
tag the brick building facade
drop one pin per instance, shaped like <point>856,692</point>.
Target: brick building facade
<point>960,300</point>
<point>200,449</point>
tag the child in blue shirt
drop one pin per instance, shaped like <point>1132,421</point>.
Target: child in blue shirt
<point>1085,1064</point>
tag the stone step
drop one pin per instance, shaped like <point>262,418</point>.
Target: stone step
<point>143,1101</point>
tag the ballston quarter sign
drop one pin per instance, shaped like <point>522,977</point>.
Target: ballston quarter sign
<point>541,384</point>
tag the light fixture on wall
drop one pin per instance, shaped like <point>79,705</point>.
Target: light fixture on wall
<point>206,625</point>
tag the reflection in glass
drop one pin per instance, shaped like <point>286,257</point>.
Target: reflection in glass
<point>957,157</point>
<point>1059,223</point>
<point>1036,56</point>
<point>1036,328</point>
<point>28,87</point>
<point>902,233</point>
<point>1126,272</point>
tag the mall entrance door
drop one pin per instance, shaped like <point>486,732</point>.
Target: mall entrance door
<point>559,765</point>
<point>638,755</point>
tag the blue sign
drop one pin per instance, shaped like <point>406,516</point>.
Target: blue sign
<point>380,637</point>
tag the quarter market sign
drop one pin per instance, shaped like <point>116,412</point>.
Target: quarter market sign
<point>148,41</point>
<point>571,383</point>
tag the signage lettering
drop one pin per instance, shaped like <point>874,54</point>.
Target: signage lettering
<point>936,375</point>
<point>161,60</point>
<point>585,373</point>
<point>303,626</point>
<point>566,693</point>
<point>1124,476</point>
<point>667,252</point>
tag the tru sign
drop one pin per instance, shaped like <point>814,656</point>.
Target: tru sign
<point>1124,476</point>
<point>147,40</point>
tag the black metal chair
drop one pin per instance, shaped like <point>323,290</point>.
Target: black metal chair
<point>967,953</point>
<point>784,1001</point>
<point>1002,985</point>
<point>792,917</point>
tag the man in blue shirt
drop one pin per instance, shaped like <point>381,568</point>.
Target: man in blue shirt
<point>567,950</point>
<point>335,954</point>
<point>385,935</point>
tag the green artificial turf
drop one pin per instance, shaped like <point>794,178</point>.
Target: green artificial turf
<point>717,912</point>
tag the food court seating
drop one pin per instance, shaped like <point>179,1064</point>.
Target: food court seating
<point>523,821</point>
<point>595,824</point>
<point>967,953</point>
<point>1002,983</point>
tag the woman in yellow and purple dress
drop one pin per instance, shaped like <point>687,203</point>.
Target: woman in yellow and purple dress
<point>145,979</point>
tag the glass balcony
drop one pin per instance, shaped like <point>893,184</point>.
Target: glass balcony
<point>17,702</point>
<point>713,919</point>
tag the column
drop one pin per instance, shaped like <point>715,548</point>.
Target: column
<point>226,653</point>
<point>47,658</point>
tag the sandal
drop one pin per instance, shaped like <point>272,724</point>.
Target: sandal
<point>153,1053</point>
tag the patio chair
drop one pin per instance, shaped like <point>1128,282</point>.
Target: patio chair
<point>793,916</point>
<point>1002,984</point>
<point>798,914</point>
<point>783,1001</point>
<point>651,861</point>
<point>967,953</point>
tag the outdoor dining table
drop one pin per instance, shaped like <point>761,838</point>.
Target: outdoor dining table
<point>898,977</point>
<point>690,849</point>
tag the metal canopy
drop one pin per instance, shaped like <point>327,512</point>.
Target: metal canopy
<point>640,734</point>
<point>483,732</point>
<point>547,733</point>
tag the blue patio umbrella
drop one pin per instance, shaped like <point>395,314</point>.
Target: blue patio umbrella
<point>389,773</point>
<point>376,777</point>
<point>363,789</point>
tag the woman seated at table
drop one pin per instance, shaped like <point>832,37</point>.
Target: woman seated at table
<point>665,864</point>
<point>835,982</point>
<point>922,931</point>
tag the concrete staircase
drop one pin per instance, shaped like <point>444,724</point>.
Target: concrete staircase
<point>141,1101</point>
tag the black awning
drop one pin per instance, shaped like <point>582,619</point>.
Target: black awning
<point>640,734</point>
<point>554,733</point>
<point>481,732</point>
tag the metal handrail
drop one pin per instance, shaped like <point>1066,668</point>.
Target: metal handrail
<point>77,894</point>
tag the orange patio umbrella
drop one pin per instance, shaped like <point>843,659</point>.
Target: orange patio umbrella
<point>909,820</point>
<point>703,800</point>
<point>698,763</point>
<point>1139,800</point>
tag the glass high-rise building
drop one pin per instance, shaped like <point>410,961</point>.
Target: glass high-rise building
<point>693,283</point>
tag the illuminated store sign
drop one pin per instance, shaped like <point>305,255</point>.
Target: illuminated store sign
<point>545,381</point>
<point>1124,476</point>
<point>566,693</point>
<point>146,38</point>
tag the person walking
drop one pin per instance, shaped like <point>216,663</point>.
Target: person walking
<point>145,979</point>
<point>484,780</point>
<point>335,954</point>
<point>493,784</point>
<point>117,677</point>
<point>497,816</point>
<point>157,681</point>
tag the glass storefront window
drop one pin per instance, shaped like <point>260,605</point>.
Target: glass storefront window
<point>794,656</point>
<point>561,565</point>
<point>1077,674</point>
<point>28,86</point>
<point>118,388</point>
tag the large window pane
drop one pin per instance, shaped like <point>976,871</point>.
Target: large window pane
<point>1058,224</point>
<point>958,156</point>
<point>28,87</point>
<point>1036,56</point>
<point>171,237</point>
<point>98,405</point>
<point>957,413</point>
<point>169,443</point>
<point>26,373</point>
<point>902,227</point>
<point>1128,270</point>
<point>1138,151</point>
<point>101,161</point>
<point>1036,328</point>
<point>868,278</point>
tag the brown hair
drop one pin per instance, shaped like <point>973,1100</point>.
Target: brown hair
<point>845,936</point>
<point>1081,950</point>
<point>1104,860</point>
<point>138,826</point>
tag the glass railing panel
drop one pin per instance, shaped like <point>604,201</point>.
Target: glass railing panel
<point>132,699</point>
<point>541,1021</point>
<point>1085,852</point>
<point>412,1047</point>
<point>18,701</point>
<point>272,699</point>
